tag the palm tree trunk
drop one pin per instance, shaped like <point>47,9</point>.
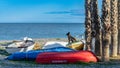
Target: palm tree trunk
<point>106,31</point>
<point>114,27</point>
<point>118,26</point>
<point>88,24</point>
<point>92,28</point>
<point>97,28</point>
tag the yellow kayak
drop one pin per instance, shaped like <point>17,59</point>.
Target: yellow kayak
<point>76,45</point>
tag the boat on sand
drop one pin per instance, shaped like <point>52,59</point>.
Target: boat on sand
<point>66,57</point>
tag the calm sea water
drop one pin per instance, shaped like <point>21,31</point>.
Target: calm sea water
<point>15,31</point>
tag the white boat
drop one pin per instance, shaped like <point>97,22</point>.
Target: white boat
<point>52,44</point>
<point>21,46</point>
<point>12,49</point>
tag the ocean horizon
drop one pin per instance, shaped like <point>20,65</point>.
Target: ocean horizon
<point>16,31</point>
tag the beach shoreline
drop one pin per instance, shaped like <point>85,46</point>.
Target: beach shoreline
<point>23,64</point>
<point>38,40</point>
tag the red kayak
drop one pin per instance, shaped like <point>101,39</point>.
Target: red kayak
<point>66,57</point>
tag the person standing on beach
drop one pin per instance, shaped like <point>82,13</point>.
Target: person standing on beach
<point>71,39</point>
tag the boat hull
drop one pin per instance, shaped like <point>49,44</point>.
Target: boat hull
<point>31,55</point>
<point>66,57</point>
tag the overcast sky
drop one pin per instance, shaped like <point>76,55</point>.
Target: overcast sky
<point>42,11</point>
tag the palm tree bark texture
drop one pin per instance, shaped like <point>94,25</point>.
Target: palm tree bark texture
<point>106,29</point>
<point>97,28</point>
<point>118,26</point>
<point>114,27</point>
<point>92,28</point>
<point>88,24</point>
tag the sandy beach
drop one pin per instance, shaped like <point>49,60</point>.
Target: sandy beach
<point>31,64</point>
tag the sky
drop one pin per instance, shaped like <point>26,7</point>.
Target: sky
<point>42,11</point>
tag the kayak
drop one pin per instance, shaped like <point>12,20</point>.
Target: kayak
<point>76,45</point>
<point>53,44</point>
<point>31,55</point>
<point>66,57</point>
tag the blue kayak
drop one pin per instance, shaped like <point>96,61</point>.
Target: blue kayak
<point>31,55</point>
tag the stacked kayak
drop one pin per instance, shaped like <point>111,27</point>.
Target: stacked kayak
<point>66,57</point>
<point>76,45</point>
<point>55,52</point>
<point>31,55</point>
<point>53,44</point>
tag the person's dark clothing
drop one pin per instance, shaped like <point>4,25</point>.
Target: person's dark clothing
<point>70,38</point>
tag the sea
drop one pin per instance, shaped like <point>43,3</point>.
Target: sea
<point>16,31</point>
